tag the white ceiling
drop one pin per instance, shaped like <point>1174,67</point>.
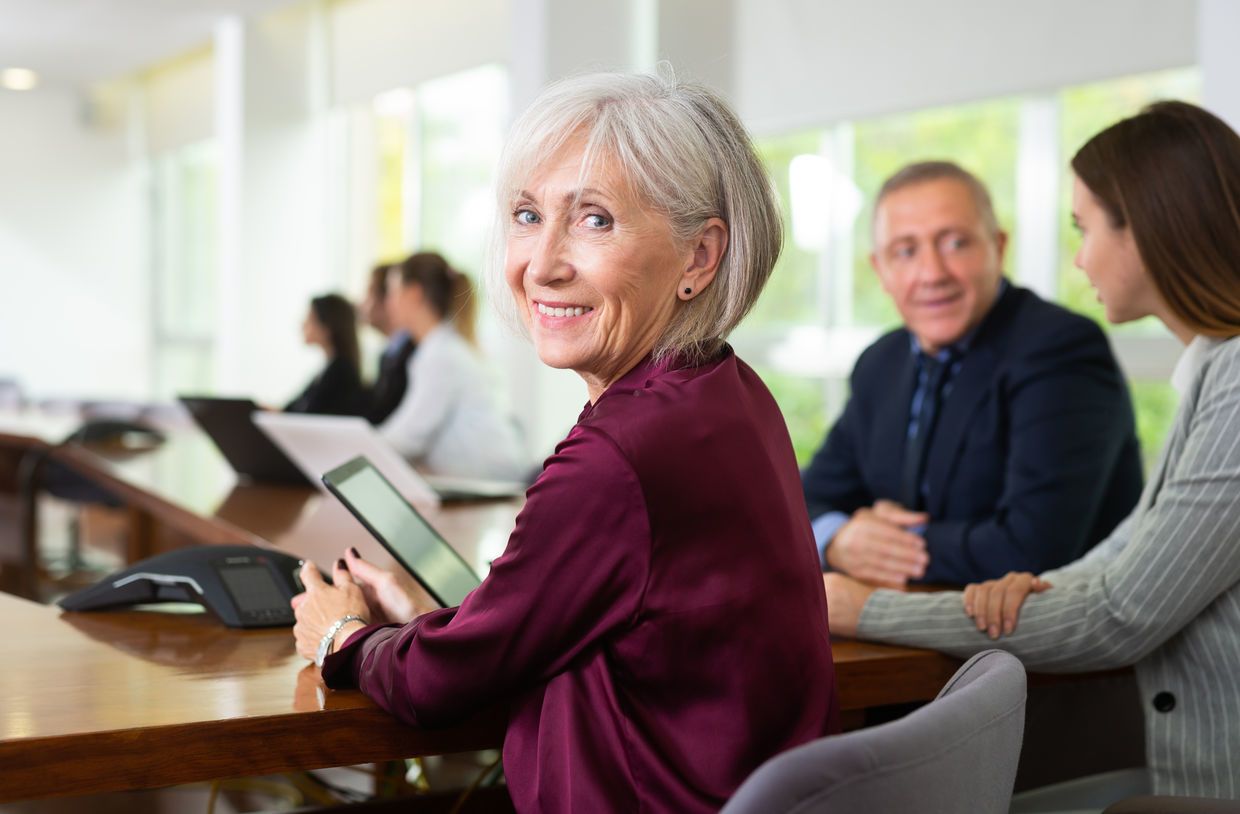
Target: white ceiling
<point>75,42</point>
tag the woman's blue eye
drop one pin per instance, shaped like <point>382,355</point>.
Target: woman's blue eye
<point>597,221</point>
<point>526,216</point>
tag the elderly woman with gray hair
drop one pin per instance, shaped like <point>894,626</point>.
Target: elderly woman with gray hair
<point>646,625</point>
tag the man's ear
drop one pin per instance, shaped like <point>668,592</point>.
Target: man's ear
<point>878,270</point>
<point>1001,242</point>
<point>707,252</point>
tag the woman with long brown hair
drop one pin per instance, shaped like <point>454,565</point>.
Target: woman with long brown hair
<point>1157,202</point>
<point>331,324</point>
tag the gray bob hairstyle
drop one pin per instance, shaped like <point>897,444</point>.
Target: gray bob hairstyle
<point>685,153</point>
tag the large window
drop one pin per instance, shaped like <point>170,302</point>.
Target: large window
<point>184,273</point>
<point>824,305</point>
<point>437,146</point>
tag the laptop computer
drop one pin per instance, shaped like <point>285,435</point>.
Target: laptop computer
<point>398,527</point>
<point>317,443</point>
<point>229,424</point>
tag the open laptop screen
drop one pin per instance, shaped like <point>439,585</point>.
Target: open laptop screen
<point>402,531</point>
<point>230,426</point>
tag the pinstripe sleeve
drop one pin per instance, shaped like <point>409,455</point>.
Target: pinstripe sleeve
<point>1094,560</point>
<point>1182,553</point>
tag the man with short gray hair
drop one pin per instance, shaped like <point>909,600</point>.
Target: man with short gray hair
<point>991,433</point>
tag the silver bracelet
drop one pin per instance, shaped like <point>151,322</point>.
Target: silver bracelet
<point>329,638</point>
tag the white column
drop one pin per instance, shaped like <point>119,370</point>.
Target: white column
<point>1038,171</point>
<point>318,112</point>
<point>229,67</point>
<point>644,35</point>
<point>1218,30</point>
<point>699,38</point>
<point>286,252</point>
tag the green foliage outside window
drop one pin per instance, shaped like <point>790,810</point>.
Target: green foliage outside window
<point>791,295</point>
<point>1155,403</point>
<point>802,402</point>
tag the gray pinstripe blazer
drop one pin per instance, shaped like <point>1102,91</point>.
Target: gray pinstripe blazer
<point>1161,593</point>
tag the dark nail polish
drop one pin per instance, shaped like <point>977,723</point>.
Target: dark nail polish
<point>341,564</point>
<point>353,551</point>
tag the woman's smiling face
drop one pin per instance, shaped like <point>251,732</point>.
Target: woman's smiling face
<point>592,267</point>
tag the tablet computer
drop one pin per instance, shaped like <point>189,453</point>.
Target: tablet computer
<point>399,528</point>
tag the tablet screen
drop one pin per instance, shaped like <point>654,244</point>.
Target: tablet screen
<point>402,531</point>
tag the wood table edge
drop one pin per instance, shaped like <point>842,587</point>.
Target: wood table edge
<point>120,760</point>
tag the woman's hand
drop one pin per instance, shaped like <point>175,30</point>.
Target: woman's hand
<point>393,597</point>
<point>995,604</point>
<point>322,605</point>
<point>845,599</point>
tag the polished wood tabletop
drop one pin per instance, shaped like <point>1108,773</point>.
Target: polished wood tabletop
<point>126,700</point>
<point>146,698</point>
<point>186,483</point>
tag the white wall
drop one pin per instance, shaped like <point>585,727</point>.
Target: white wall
<point>377,45</point>
<point>285,245</point>
<point>179,102</point>
<point>1218,26</point>
<point>700,40</point>
<point>73,292</point>
<point>810,62</point>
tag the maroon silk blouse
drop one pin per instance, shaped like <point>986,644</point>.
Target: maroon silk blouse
<point>657,623</point>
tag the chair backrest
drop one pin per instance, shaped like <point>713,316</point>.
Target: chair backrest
<point>957,753</point>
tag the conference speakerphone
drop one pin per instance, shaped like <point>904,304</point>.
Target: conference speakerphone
<point>243,586</point>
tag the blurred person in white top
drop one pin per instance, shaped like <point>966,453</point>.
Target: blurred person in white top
<point>448,422</point>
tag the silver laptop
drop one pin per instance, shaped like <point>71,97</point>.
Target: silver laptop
<point>318,443</point>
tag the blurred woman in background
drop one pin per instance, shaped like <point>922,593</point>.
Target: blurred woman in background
<point>331,324</point>
<point>447,421</point>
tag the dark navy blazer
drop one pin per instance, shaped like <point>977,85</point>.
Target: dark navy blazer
<point>392,381</point>
<point>1034,458</point>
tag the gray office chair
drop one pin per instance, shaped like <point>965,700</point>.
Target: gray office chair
<point>1173,805</point>
<point>957,753</point>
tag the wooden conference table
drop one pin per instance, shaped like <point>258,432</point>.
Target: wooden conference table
<point>101,702</point>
